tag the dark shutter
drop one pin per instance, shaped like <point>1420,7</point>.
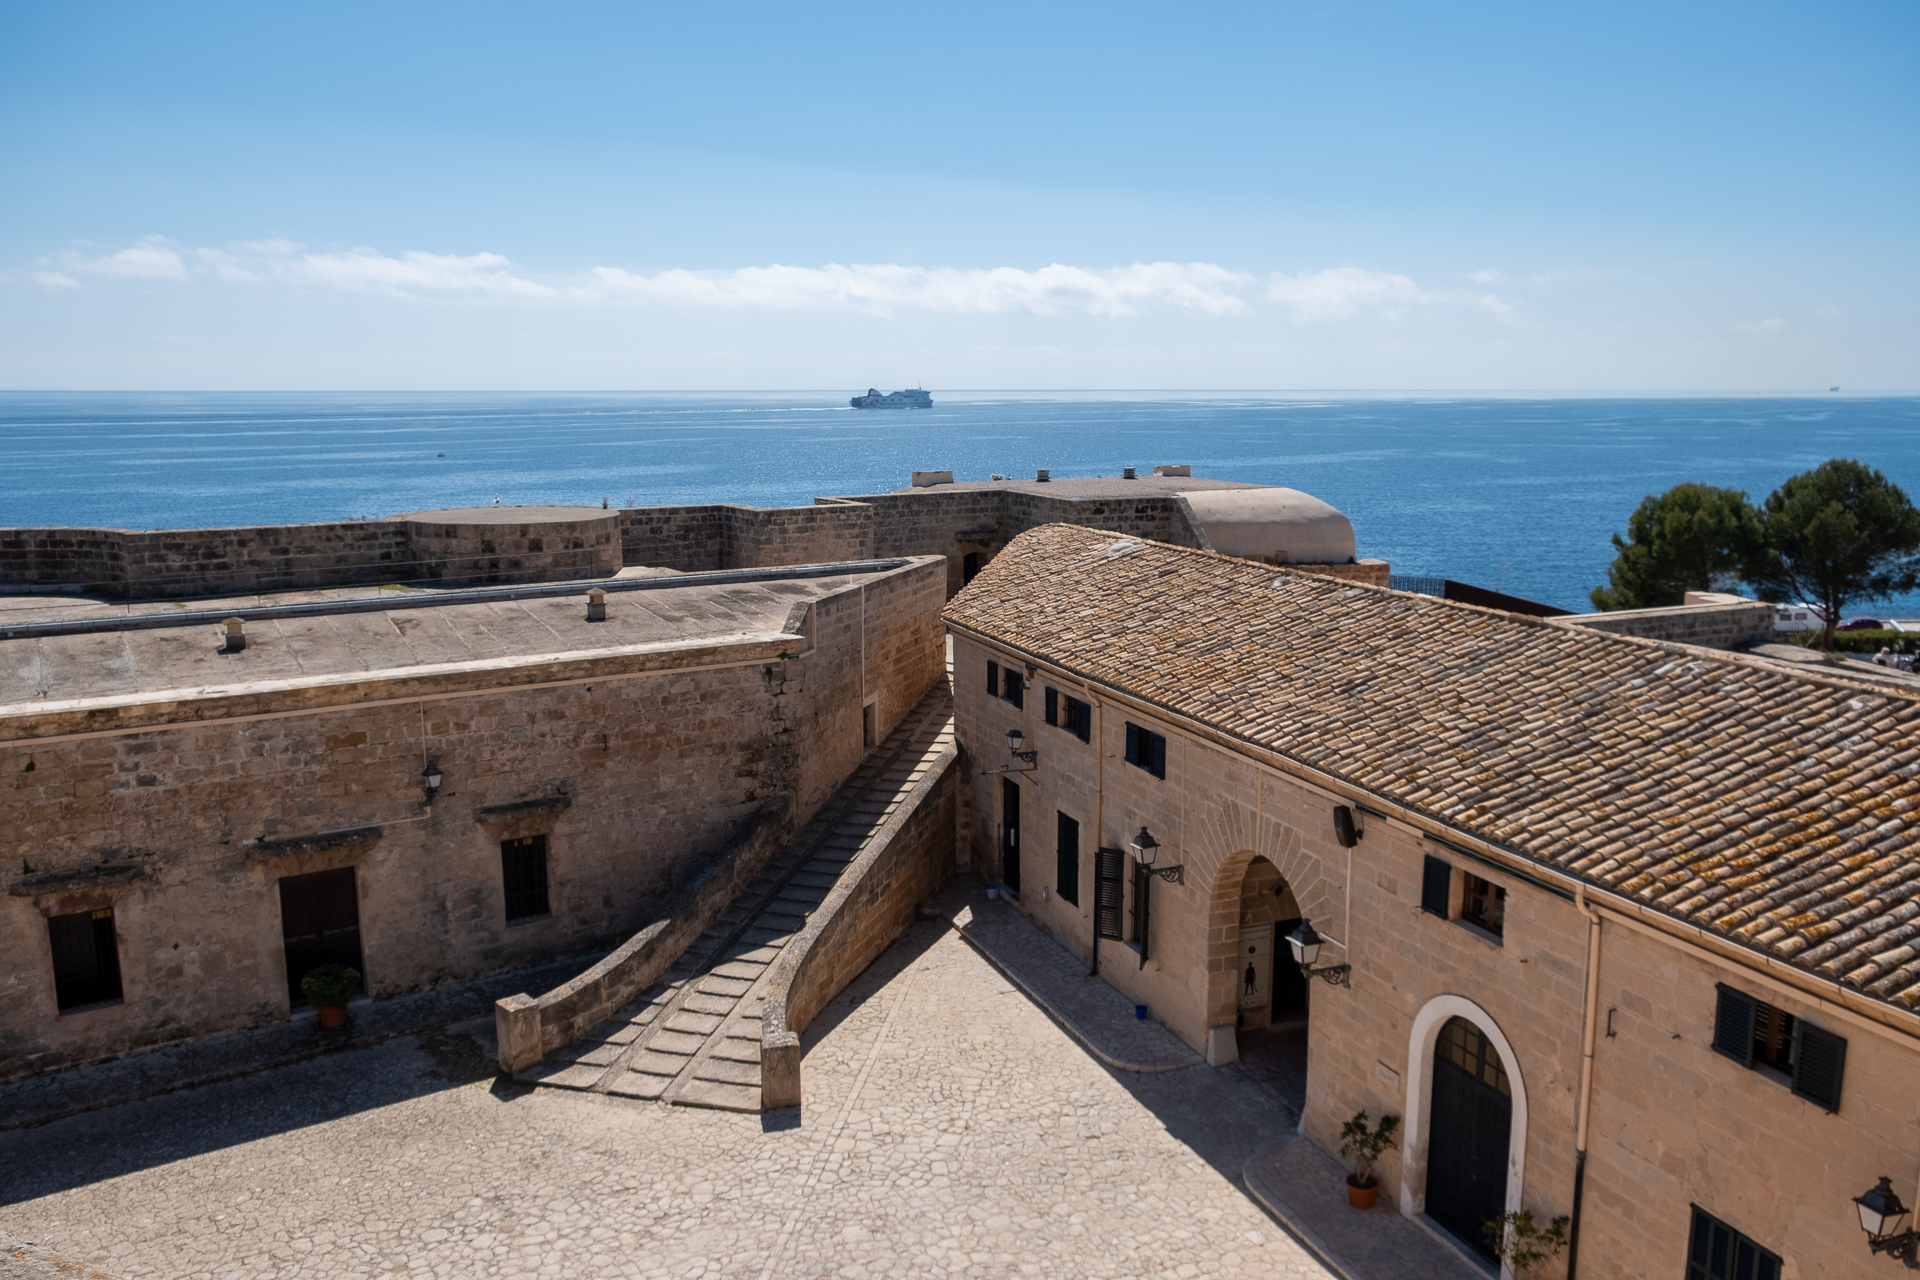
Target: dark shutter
<point>1436,881</point>
<point>1053,706</point>
<point>1080,719</point>
<point>1733,1025</point>
<point>1109,892</point>
<point>1141,898</point>
<point>993,678</point>
<point>1133,743</point>
<point>1015,687</point>
<point>1819,1062</point>
<point>1716,1251</point>
<point>1156,755</point>
<point>1067,859</point>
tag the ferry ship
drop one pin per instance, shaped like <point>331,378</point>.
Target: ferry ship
<point>914,399</point>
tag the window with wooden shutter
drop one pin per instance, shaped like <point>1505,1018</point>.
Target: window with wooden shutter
<point>1819,1063</point>
<point>523,876</point>
<point>1066,879</point>
<point>1013,686</point>
<point>993,678</point>
<point>1715,1251</point>
<point>1053,706</point>
<point>1142,878</point>
<point>1079,719</point>
<point>1109,893</point>
<point>1436,882</point>
<point>1147,750</point>
<point>1733,1021</point>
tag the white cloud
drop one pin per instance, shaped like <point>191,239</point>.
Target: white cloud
<point>1772,324</point>
<point>1827,311</point>
<point>56,280</point>
<point>1488,276</point>
<point>884,289</point>
<point>1339,292</point>
<point>151,259</point>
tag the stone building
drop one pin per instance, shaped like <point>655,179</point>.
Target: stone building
<point>1623,930</point>
<point>425,786</point>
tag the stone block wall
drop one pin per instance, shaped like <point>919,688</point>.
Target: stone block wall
<point>691,539</point>
<point>63,555</point>
<point>825,533</point>
<point>497,552</point>
<point>634,767</point>
<point>905,863</point>
<point>1732,625</point>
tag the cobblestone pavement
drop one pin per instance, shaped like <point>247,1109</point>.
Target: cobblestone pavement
<point>693,1039</point>
<point>950,1129</point>
<point>1307,1187</point>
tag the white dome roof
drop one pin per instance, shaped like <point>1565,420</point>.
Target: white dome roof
<point>1279,526</point>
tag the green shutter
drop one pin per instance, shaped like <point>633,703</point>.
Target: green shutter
<point>1733,1025</point>
<point>1436,883</point>
<point>1109,892</point>
<point>1819,1063</point>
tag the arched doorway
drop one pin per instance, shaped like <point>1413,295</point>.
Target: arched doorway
<point>1270,992</point>
<point>1470,1135</point>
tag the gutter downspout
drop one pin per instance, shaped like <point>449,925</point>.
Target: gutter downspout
<point>1099,812</point>
<point>1586,1075</point>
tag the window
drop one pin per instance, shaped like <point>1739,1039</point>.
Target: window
<point>1066,877</point>
<point>1109,892</point>
<point>1079,723</point>
<point>869,729</point>
<point>1071,714</point>
<point>86,959</point>
<point>523,870</point>
<point>1147,750</point>
<point>1483,904</point>
<point>1751,1031</point>
<point>1436,883</point>
<point>993,678</point>
<point>1717,1252</point>
<point>1013,686</point>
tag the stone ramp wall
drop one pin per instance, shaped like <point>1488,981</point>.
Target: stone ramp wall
<point>905,863</point>
<point>529,1028</point>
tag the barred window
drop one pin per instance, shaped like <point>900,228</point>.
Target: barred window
<point>523,872</point>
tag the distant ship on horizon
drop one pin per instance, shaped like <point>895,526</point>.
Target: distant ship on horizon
<point>914,399</point>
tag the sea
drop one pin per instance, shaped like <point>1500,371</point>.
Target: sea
<point>1507,492</point>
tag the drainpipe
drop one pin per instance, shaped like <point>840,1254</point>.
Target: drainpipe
<point>1099,812</point>
<point>1586,1075</point>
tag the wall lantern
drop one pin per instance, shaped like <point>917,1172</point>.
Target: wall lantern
<point>430,778</point>
<point>1146,850</point>
<point>1306,949</point>
<point>1015,739</point>
<point>1881,1217</point>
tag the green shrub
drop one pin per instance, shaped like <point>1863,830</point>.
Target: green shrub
<point>1365,1143</point>
<point>331,985</point>
<point>1862,641</point>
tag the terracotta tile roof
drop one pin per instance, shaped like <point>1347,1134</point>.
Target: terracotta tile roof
<point>1772,808</point>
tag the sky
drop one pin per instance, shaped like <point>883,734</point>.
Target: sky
<point>1273,196</point>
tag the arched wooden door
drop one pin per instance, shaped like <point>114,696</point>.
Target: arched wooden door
<point>1472,1130</point>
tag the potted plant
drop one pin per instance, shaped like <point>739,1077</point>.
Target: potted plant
<point>1365,1142</point>
<point>329,987</point>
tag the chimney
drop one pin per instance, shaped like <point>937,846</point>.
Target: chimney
<point>236,635</point>
<point>1126,473</point>
<point>1042,476</point>
<point>596,605</point>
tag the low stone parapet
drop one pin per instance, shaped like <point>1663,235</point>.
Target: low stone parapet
<point>1726,622</point>
<point>530,1027</point>
<point>903,865</point>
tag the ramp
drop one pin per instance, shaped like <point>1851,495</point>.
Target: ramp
<point>694,1038</point>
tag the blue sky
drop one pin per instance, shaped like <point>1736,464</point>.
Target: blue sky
<point>1266,196</point>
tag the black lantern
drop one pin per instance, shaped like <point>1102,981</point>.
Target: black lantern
<point>1146,851</point>
<point>430,778</point>
<point>1306,942</point>
<point>1881,1217</point>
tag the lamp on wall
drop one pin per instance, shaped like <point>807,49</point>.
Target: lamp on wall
<point>1306,942</point>
<point>430,778</point>
<point>1146,851</point>
<point>1881,1217</point>
<point>1015,739</point>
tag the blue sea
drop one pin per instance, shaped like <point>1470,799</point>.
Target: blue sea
<point>1511,493</point>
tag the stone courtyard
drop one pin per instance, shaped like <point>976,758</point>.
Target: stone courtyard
<point>950,1128</point>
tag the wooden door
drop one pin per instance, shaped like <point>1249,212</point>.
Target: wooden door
<point>1010,834</point>
<point>320,922</point>
<point>1472,1126</point>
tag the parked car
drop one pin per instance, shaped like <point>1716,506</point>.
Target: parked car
<point>1863,624</point>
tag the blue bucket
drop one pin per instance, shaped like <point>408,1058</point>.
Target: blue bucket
<point>1140,1013</point>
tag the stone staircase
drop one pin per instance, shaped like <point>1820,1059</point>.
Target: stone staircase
<point>693,1039</point>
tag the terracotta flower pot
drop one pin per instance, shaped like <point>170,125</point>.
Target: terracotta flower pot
<point>1361,1197</point>
<point>332,1017</point>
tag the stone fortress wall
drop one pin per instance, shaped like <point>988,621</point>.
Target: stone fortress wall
<point>182,813</point>
<point>499,545</point>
